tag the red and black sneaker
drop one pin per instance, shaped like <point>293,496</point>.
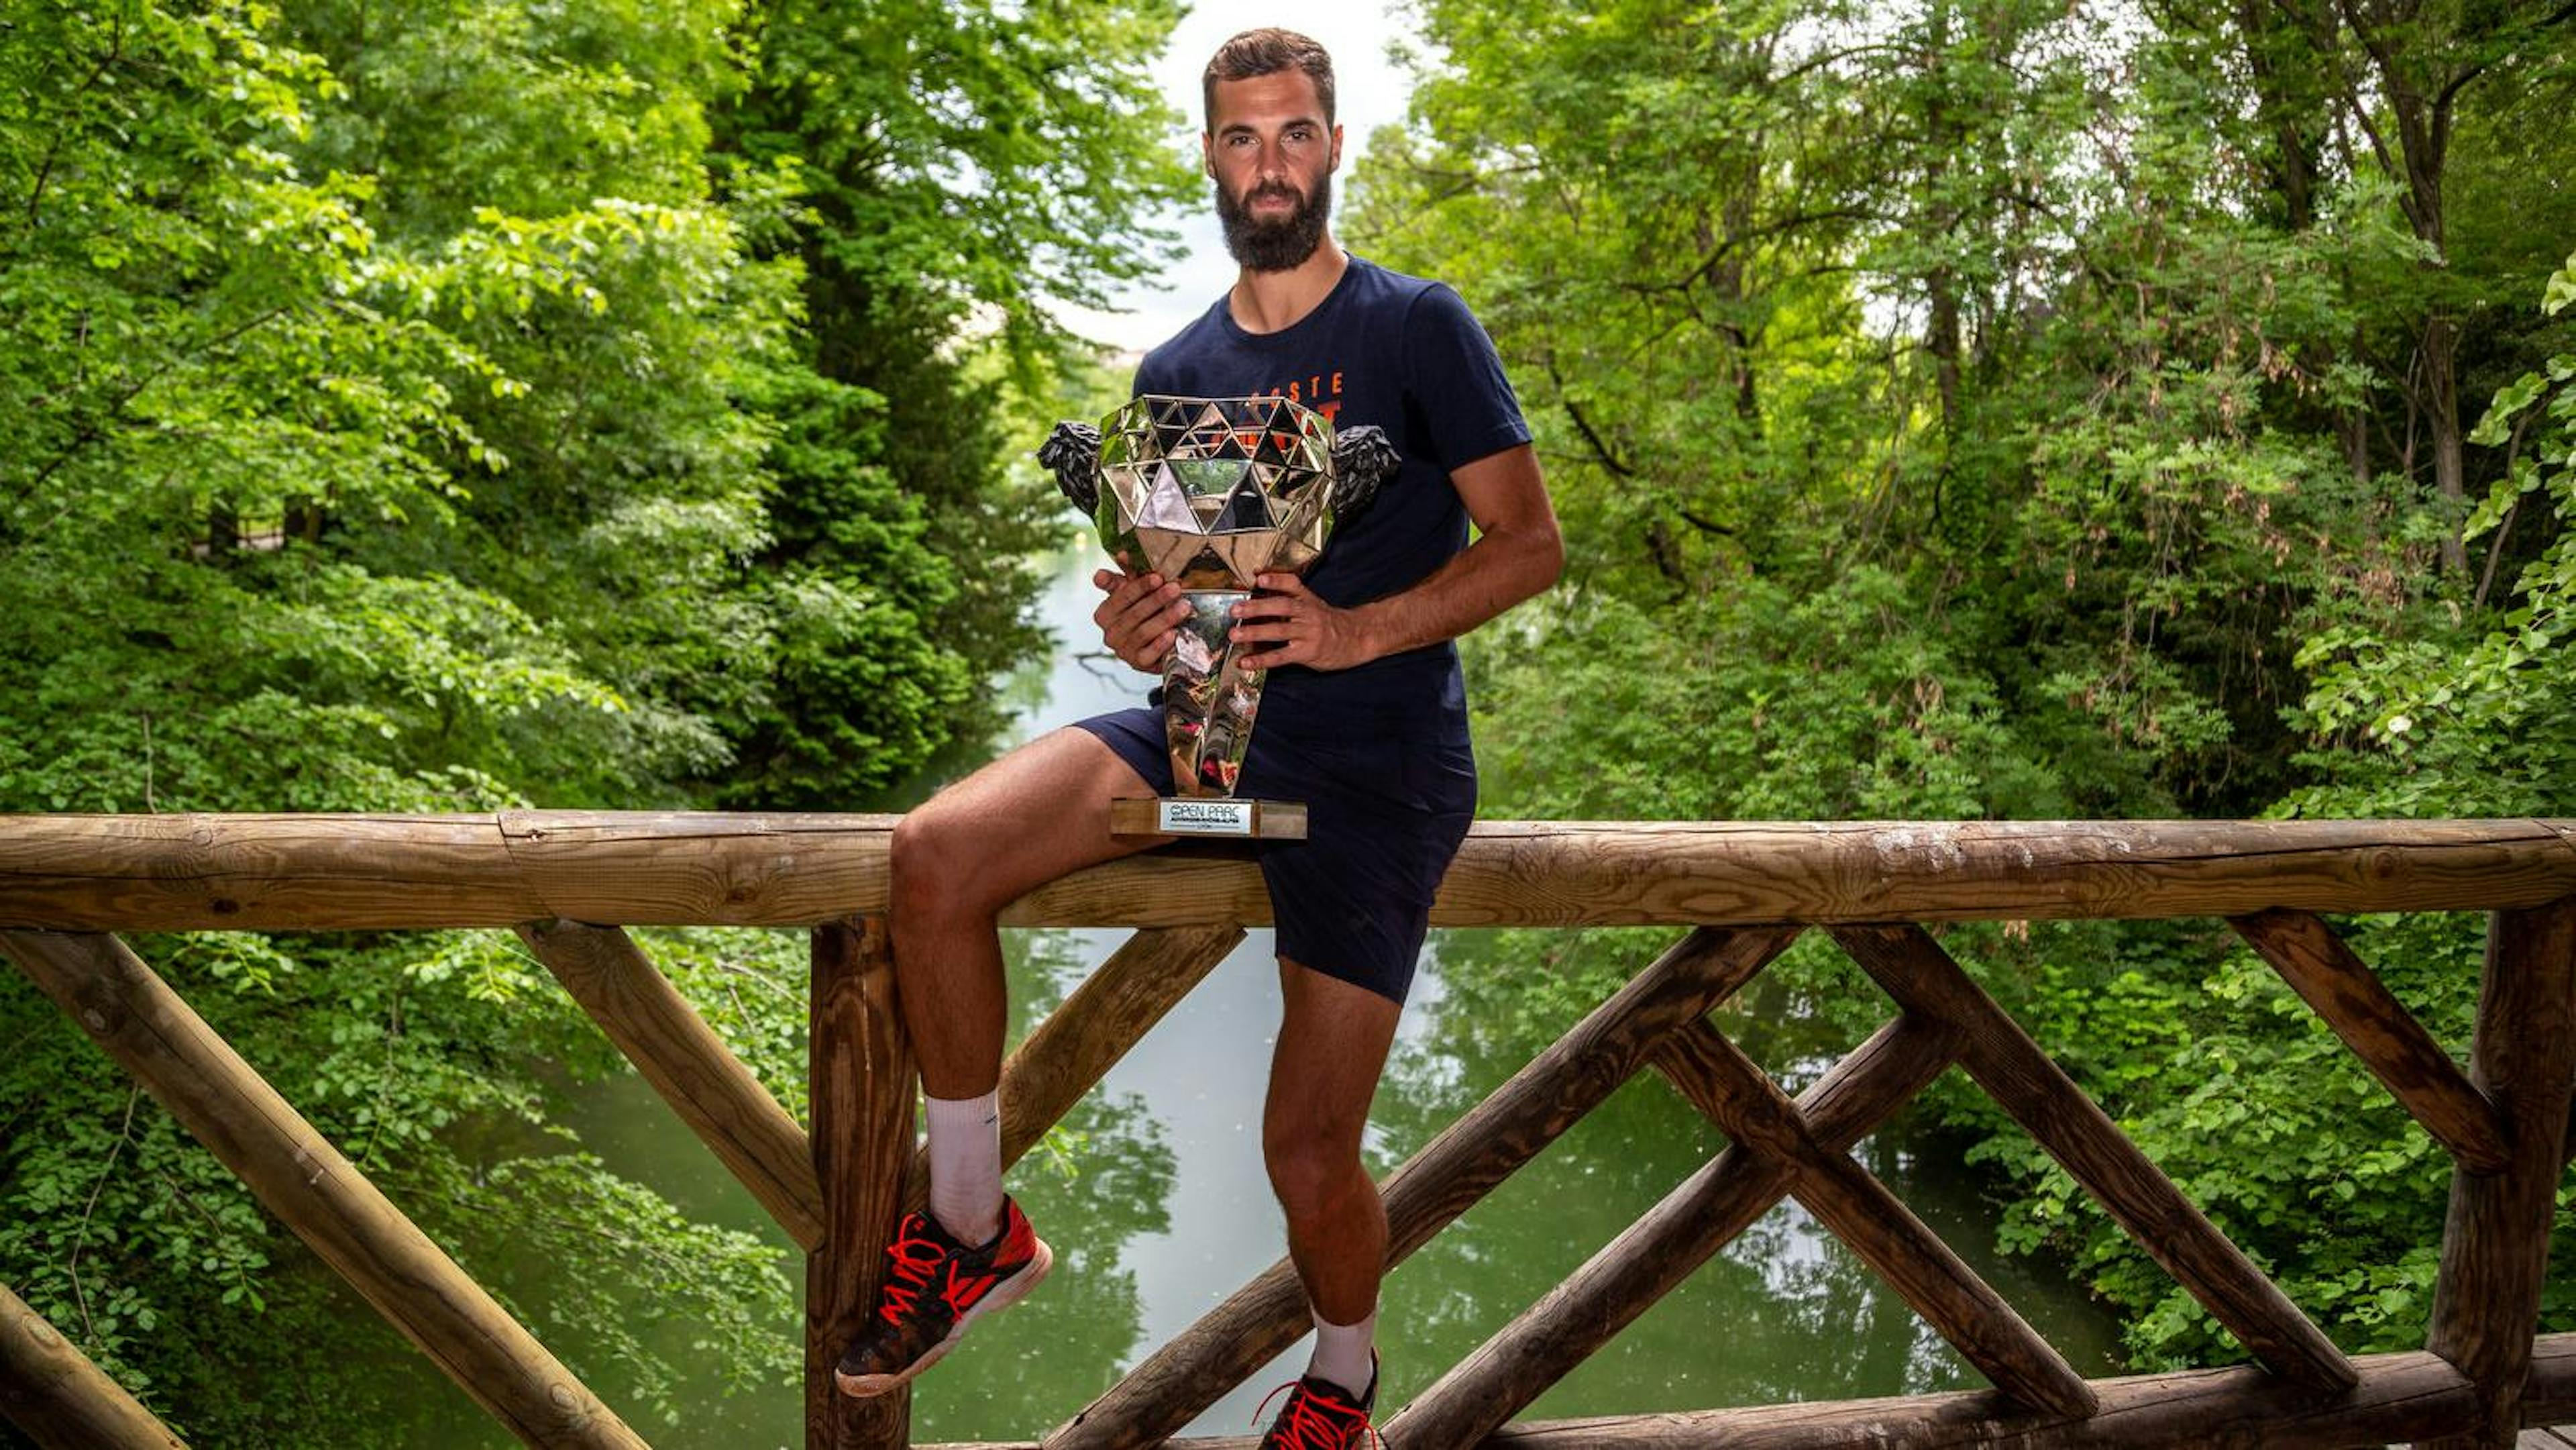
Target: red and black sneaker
<point>934,1289</point>
<point>1321,1415</point>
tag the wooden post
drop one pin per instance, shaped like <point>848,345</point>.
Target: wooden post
<point>302,1179</point>
<point>2495,1243</point>
<point>2343,991</point>
<point>2026,1083</point>
<point>1671,1240</point>
<point>861,1067</point>
<point>689,1065</point>
<point>1445,1179</point>
<point>64,1402</point>
<point>1067,1054</point>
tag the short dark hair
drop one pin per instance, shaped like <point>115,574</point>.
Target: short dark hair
<point>1265,52</point>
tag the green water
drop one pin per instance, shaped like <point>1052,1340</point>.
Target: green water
<point>1161,1209</point>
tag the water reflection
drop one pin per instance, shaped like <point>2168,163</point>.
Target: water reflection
<point>1783,1313</point>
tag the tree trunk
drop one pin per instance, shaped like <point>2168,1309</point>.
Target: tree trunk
<point>1942,341</point>
<point>2287,44</point>
<point>1941,334</point>
<point>2421,80</point>
<point>2442,409</point>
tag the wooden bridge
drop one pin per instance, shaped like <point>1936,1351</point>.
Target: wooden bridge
<point>568,883</point>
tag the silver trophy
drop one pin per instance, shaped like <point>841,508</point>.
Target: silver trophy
<point>1210,492</point>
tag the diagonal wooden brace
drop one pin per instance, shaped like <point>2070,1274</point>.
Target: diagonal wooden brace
<point>1091,1031</point>
<point>53,1392</point>
<point>1445,1179</point>
<point>299,1176</point>
<point>1671,1240</point>
<point>675,1050</point>
<point>2349,997</point>
<point>2029,1085</point>
<point>1877,1226</point>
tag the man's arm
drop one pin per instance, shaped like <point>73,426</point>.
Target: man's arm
<point>1517,553</point>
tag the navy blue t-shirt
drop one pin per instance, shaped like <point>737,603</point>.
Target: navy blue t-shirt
<point>1404,354</point>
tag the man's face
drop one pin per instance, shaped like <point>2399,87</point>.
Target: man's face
<point>1272,158</point>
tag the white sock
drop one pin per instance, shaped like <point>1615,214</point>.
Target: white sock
<point>966,1166</point>
<point>1342,1352</point>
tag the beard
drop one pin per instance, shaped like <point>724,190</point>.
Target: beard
<point>1280,245</point>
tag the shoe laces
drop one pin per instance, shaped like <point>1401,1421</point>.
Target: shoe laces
<point>916,1255</point>
<point>1315,1423</point>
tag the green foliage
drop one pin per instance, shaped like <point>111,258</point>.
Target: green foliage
<point>953,167</point>
<point>295,483</point>
<point>468,405</point>
<point>2477,717</point>
<point>1828,706</point>
<point>862,691</point>
<point>1977,409</point>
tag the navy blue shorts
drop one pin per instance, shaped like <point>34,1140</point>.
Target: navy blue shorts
<point>1384,815</point>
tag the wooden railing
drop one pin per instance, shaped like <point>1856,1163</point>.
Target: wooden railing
<point>568,882</point>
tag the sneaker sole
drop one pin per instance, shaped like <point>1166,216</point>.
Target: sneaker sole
<point>1001,1296</point>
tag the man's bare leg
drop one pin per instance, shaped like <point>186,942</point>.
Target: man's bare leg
<point>1333,1041</point>
<point>960,857</point>
<point>957,860</point>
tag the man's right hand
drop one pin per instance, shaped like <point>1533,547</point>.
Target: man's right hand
<point>1140,618</point>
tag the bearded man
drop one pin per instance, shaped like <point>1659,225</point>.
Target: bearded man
<point>1363,717</point>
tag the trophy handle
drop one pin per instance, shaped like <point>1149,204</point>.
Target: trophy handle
<point>1363,458</point>
<point>1072,453</point>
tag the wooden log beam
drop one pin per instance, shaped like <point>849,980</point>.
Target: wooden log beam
<point>1669,1242</point>
<point>2495,1240</point>
<point>196,1075</point>
<point>2394,1397</point>
<point>2026,1083</point>
<point>1090,1031</point>
<point>642,868</point>
<point>211,872</point>
<point>1877,1226</point>
<point>2343,991</point>
<point>2549,1391</point>
<point>689,1065</point>
<point>52,1391</point>
<point>1446,1178</point>
<point>863,1087</point>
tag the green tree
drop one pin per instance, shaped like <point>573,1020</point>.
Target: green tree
<point>1983,409</point>
<point>419,409</point>
<point>955,168</point>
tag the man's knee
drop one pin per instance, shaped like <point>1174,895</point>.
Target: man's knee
<point>975,845</point>
<point>1310,1169</point>
<point>927,862</point>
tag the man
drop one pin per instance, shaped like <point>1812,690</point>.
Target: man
<point>1363,717</point>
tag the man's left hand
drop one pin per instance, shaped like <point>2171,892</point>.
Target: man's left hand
<point>1298,628</point>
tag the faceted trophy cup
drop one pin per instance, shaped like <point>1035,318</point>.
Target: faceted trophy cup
<point>1209,492</point>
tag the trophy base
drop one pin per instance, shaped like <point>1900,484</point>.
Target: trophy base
<point>1216,816</point>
